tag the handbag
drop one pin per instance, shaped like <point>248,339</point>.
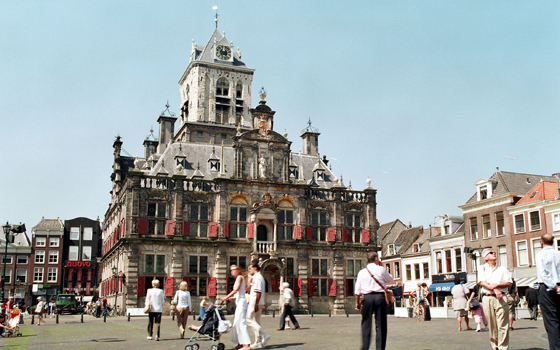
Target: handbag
<point>224,326</point>
<point>148,305</point>
<point>389,295</point>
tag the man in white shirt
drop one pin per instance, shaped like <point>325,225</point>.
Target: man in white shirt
<point>495,281</point>
<point>256,303</point>
<point>288,300</point>
<point>371,282</point>
<point>548,274</point>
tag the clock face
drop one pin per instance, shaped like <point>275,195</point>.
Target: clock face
<point>223,52</point>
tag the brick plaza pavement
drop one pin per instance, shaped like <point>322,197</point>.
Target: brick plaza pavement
<point>319,332</point>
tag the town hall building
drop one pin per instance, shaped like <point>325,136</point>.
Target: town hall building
<point>226,188</point>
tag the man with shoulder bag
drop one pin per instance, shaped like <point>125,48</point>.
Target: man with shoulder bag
<point>371,283</point>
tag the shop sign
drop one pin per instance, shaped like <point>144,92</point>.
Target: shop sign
<point>78,264</point>
<point>449,277</point>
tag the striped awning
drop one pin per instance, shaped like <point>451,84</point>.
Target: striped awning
<point>470,285</point>
<point>526,282</point>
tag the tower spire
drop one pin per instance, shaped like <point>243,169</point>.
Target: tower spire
<point>216,19</point>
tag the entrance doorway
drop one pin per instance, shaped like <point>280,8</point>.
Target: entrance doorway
<point>262,233</point>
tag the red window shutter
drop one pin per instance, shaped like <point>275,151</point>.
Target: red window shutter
<point>365,236</point>
<point>170,228</point>
<point>275,285</point>
<point>168,291</point>
<point>332,287</point>
<point>79,274</point>
<point>331,234</point>
<point>212,287</point>
<point>227,230</point>
<point>88,288</point>
<point>142,226</point>
<point>297,233</point>
<point>120,284</point>
<point>185,279</point>
<point>89,272</point>
<point>309,233</point>
<point>186,228</point>
<point>346,287</point>
<point>251,231</point>
<point>70,274</point>
<point>344,235</point>
<point>310,287</point>
<point>140,286</point>
<point>297,287</point>
<point>212,229</point>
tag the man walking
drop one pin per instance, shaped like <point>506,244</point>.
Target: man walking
<point>532,295</point>
<point>371,282</point>
<point>288,299</point>
<point>256,302</point>
<point>548,274</point>
<point>495,281</point>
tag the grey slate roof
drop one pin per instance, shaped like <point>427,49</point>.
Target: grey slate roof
<point>422,240</point>
<point>508,182</point>
<point>21,240</point>
<point>205,53</point>
<point>49,224</point>
<point>407,237</point>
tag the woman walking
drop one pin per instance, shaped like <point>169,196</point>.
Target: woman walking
<point>39,310</point>
<point>182,301</point>
<point>477,313</point>
<point>239,333</point>
<point>459,292</point>
<point>154,296</point>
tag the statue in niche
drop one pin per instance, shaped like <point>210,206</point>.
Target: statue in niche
<point>262,167</point>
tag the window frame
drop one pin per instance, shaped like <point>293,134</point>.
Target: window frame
<point>320,286</point>
<point>417,275</point>
<point>458,260</point>
<point>8,277</point>
<point>25,257</point>
<point>351,275</point>
<point>283,225</point>
<point>50,274</point>
<point>515,227</point>
<point>555,221</point>
<point>238,227</point>
<point>500,255</point>
<point>74,235</point>
<point>533,252</point>
<point>51,254</point>
<point>53,240</point>
<point>354,232</point>
<point>426,270</point>
<point>9,259</point>
<point>500,223</point>
<point>319,227</point>
<point>475,227</point>
<point>526,252</point>
<point>397,269</point>
<point>84,248</point>
<point>154,271</point>
<point>486,227</point>
<point>198,280</point>
<point>42,241</point>
<point>38,272</point>
<point>71,252</point>
<point>39,253</point>
<point>89,232</point>
<point>531,228</point>
<point>199,223</point>
<point>24,281</point>
<point>156,221</point>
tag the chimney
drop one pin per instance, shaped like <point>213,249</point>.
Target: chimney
<point>166,132</point>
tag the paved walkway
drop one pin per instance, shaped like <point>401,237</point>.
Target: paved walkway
<point>319,332</point>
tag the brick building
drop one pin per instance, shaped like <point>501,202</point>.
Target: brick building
<point>46,258</point>
<point>17,260</point>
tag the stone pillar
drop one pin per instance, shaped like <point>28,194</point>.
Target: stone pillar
<point>338,275</point>
<point>275,235</point>
<point>176,265</point>
<point>303,261</point>
<point>132,267</point>
<point>220,271</point>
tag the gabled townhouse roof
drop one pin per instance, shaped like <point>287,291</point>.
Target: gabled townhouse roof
<point>48,224</point>
<point>544,190</point>
<point>20,240</point>
<point>385,229</point>
<point>422,240</point>
<point>508,182</point>
<point>407,237</point>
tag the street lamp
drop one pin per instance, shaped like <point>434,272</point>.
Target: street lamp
<point>474,256</point>
<point>9,235</point>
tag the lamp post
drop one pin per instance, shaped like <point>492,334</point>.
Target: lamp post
<point>6,228</point>
<point>114,271</point>
<point>474,256</point>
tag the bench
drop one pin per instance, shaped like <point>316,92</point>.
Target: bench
<point>135,311</point>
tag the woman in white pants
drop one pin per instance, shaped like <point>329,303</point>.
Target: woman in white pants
<point>239,333</point>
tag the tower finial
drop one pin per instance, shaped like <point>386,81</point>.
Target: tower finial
<point>216,19</point>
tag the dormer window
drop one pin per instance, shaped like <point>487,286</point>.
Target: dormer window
<point>214,165</point>
<point>484,188</point>
<point>416,247</point>
<point>391,249</point>
<point>320,175</point>
<point>483,192</point>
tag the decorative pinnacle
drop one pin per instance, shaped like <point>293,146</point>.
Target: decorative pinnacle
<point>216,19</point>
<point>262,95</point>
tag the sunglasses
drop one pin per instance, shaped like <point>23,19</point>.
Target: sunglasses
<point>491,253</point>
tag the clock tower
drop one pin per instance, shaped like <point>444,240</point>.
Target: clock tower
<point>215,89</point>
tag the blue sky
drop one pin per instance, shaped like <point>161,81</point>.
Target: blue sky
<point>424,96</point>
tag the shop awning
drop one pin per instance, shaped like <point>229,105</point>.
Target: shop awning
<point>470,285</point>
<point>441,287</point>
<point>526,282</point>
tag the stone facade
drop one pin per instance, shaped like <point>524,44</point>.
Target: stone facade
<point>229,190</point>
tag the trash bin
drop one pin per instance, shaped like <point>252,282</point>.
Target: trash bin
<point>410,312</point>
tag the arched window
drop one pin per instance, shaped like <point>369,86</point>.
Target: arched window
<point>222,87</point>
<point>222,101</point>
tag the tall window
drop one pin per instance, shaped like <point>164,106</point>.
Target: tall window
<point>285,224</point>
<point>408,272</point>
<point>319,226</point>
<point>53,257</point>
<point>21,275</point>
<point>448,261</point>
<point>426,271</point>
<point>38,274</point>
<point>155,264</point>
<point>222,87</point>
<point>486,231</point>
<point>7,275</point>
<point>199,220</point>
<point>88,233</point>
<point>502,255</point>
<point>458,262</point>
<point>156,218</point>
<point>238,218</point>
<point>198,274</point>
<point>353,266</point>
<point>439,262</point>
<point>535,220</point>
<point>474,230</point>
<point>74,233</point>
<point>388,267</point>
<point>7,259</point>
<point>39,257</point>
<point>52,274</point>
<point>397,269</point>
<point>519,223</point>
<point>354,227</point>
<point>417,271</point>
<point>41,242</point>
<point>86,253</point>
<point>319,274</point>
<point>536,248</point>
<point>222,100</point>
<point>240,261</point>
<point>522,258</point>
<point>54,242</point>
<point>500,226</point>
<point>73,253</point>
<point>556,221</point>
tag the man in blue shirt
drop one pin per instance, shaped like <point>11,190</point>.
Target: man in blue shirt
<point>548,274</point>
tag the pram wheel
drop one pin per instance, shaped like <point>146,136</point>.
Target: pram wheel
<point>221,346</point>
<point>214,347</point>
<point>195,346</point>
<point>188,347</point>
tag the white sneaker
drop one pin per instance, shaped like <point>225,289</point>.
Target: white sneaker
<point>478,328</point>
<point>265,339</point>
<point>256,346</point>
<point>149,338</point>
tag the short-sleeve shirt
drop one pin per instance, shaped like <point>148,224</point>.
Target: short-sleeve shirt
<point>257,285</point>
<point>498,274</point>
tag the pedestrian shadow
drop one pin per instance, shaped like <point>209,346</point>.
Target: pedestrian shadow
<point>520,328</point>
<point>285,345</point>
<point>107,340</point>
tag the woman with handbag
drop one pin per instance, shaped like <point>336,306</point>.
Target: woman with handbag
<point>239,333</point>
<point>459,293</point>
<point>154,308</point>
<point>39,308</point>
<point>182,304</point>
<point>477,312</point>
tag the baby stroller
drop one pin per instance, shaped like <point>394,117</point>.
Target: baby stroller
<point>213,324</point>
<point>13,325</point>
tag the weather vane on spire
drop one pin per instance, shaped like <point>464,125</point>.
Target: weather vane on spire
<point>216,19</point>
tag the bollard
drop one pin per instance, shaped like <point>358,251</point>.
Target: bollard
<point>129,317</point>
<point>346,313</point>
<point>311,312</point>
<point>32,318</point>
<point>329,313</point>
<point>105,317</point>
<point>193,316</point>
<point>273,313</point>
<point>56,318</point>
<point>82,318</point>
<point>172,316</point>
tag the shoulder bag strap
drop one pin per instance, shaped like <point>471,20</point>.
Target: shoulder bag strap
<point>375,279</point>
